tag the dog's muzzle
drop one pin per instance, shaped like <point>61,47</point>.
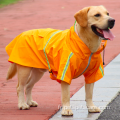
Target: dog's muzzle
<point>105,33</point>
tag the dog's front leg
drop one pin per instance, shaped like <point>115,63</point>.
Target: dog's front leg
<point>65,89</point>
<point>89,94</point>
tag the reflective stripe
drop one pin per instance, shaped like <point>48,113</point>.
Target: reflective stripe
<point>101,70</point>
<point>46,46</point>
<point>66,66</point>
<point>74,26</point>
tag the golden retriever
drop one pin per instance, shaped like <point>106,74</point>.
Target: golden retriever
<point>93,25</point>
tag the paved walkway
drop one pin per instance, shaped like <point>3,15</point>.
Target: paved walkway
<point>32,14</point>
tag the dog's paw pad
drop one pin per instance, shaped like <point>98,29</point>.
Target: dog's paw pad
<point>93,109</point>
<point>67,112</point>
<point>32,103</point>
<point>23,106</point>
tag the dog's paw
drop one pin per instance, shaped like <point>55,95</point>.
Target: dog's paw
<point>93,109</point>
<point>23,106</point>
<point>32,103</point>
<point>66,112</point>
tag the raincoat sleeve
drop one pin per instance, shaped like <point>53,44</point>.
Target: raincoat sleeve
<point>97,70</point>
<point>95,74</point>
<point>65,70</point>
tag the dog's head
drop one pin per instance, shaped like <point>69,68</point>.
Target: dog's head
<point>97,19</point>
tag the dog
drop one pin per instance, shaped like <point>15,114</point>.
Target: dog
<point>65,54</point>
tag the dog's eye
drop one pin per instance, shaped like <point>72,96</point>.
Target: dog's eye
<point>108,14</point>
<point>97,15</point>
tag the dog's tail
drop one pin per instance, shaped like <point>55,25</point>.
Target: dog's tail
<point>11,71</point>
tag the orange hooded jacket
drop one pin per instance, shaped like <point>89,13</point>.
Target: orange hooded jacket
<point>63,53</point>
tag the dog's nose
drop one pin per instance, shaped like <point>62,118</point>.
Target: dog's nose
<point>111,23</point>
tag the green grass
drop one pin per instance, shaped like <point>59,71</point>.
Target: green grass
<point>7,2</point>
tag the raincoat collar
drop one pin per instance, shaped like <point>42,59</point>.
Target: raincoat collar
<point>78,46</point>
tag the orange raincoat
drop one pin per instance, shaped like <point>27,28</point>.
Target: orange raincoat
<point>63,53</point>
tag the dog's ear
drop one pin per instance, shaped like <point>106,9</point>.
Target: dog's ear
<point>81,17</point>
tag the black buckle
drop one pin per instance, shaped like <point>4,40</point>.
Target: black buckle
<point>50,71</point>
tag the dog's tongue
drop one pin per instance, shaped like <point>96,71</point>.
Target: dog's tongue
<point>108,34</point>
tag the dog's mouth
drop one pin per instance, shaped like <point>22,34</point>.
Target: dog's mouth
<point>105,34</point>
